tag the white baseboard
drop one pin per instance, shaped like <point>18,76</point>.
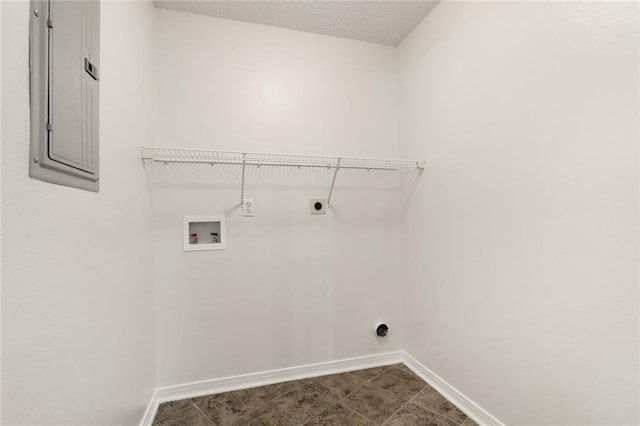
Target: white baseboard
<point>226,384</point>
<point>470,408</point>
<point>150,412</point>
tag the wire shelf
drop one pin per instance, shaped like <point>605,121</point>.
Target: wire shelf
<point>259,159</point>
<point>180,155</point>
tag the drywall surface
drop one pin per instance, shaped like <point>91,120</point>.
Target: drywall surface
<point>522,237</point>
<point>382,22</point>
<point>291,288</point>
<point>77,267</point>
<point>0,208</point>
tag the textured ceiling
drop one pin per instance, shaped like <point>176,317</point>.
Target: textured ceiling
<point>383,22</point>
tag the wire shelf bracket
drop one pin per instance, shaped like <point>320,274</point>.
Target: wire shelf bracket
<point>333,182</point>
<point>244,159</point>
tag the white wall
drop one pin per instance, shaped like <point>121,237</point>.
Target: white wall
<point>520,243</point>
<point>77,267</point>
<point>1,133</point>
<point>522,238</point>
<point>291,288</point>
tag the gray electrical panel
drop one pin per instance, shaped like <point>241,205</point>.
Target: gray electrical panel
<point>65,77</point>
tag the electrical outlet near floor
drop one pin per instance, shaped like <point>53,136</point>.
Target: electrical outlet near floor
<point>247,207</point>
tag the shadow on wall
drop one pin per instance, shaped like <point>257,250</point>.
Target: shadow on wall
<point>388,191</point>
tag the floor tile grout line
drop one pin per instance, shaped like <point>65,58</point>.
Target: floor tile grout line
<point>382,389</point>
<point>171,415</point>
<point>336,403</point>
<point>434,411</point>
<point>385,391</point>
<point>256,408</point>
<point>386,368</point>
<point>320,413</point>
<point>361,384</point>
<point>440,414</point>
<point>391,393</point>
<point>403,405</point>
<point>201,412</point>
<point>368,418</point>
<point>278,396</point>
<point>397,396</point>
<point>360,414</point>
<point>310,390</point>
<point>420,405</point>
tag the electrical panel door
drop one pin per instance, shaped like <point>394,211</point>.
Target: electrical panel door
<point>65,77</point>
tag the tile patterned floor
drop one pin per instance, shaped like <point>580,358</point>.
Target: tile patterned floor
<point>391,395</point>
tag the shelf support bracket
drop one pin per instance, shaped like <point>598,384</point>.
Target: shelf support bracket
<point>147,153</point>
<point>333,182</point>
<point>244,163</point>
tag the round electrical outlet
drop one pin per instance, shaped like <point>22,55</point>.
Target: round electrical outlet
<point>382,330</point>
<point>318,206</point>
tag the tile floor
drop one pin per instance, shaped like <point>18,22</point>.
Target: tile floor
<point>391,395</point>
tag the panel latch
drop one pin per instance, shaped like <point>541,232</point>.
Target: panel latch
<point>91,69</point>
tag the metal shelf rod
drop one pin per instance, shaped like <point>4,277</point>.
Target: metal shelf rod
<point>249,163</point>
<point>175,155</point>
<point>198,156</point>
